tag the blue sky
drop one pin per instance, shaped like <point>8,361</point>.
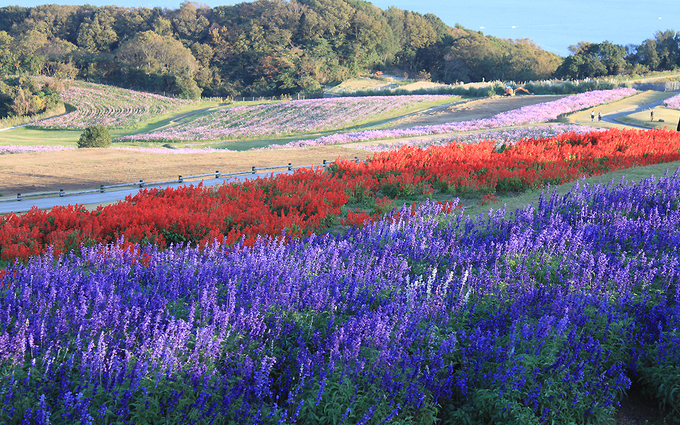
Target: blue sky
<point>552,24</point>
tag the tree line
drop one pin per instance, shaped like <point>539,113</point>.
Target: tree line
<point>592,60</point>
<point>275,47</point>
<point>22,96</point>
<point>260,48</point>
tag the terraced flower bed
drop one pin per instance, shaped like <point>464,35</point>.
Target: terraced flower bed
<point>110,106</point>
<point>527,115</point>
<point>13,149</point>
<point>287,118</point>
<point>507,136</point>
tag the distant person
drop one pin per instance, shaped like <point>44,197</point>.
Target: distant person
<point>592,116</point>
<point>678,126</point>
<point>599,116</point>
<point>652,114</point>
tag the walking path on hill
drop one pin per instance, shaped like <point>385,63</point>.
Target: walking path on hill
<point>94,199</point>
<point>615,117</point>
<point>613,113</point>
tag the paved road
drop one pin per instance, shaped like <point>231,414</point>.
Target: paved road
<point>15,127</point>
<point>612,118</point>
<point>16,206</point>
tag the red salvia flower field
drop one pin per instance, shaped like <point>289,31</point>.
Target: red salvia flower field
<point>310,200</point>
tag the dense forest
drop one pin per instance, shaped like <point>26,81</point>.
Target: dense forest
<point>265,47</point>
<point>274,47</point>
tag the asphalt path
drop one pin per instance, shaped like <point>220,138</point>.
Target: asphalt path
<point>612,118</point>
<point>8,205</point>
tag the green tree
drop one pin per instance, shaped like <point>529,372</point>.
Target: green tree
<point>58,58</point>
<point>335,19</point>
<point>160,62</point>
<point>6,54</point>
<point>96,33</point>
<point>646,54</point>
<point>589,60</point>
<point>10,16</point>
<point>23,103</point>
<point>668,49</point>
<point>419,31</point>
<point>439,27</point>
<point>131,21</point>
<point>162,26</point>
<point>365,46</point>
<point>190,23</point>
<point>55,21</point>
<point>612,57</point>
<point>468,56</point>
<point>308,27</point>
<point>95,136</point>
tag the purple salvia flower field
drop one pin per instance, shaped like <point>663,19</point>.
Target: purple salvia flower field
<point>545,315</point>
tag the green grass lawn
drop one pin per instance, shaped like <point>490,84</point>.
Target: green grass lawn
<point>179,116</point>
<point>670,118</point>
<point>26,136</point>
<point>518,201</point>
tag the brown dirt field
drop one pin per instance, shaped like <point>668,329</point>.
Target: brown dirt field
<point>363,84</point>
<point>89,168</point>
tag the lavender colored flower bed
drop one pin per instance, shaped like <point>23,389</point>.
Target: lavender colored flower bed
<point>110,106</point>
<point>286,118</point>
<point>13,149</point>
<point>507,136</point>
<point>173,151</point>
<point>532,114</point>
<point>672,102</point>
<point>543,317</point>
<point>10,149</point>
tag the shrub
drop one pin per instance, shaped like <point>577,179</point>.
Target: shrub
<point>95,136</point>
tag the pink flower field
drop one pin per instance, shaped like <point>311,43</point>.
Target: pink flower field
<point>533,114</point>
<point>111,106</point>
<point>672,102</point>
<point>287,118</point>
<point>16,149</point>
<point>507,136</point>
<point>12,149</point>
